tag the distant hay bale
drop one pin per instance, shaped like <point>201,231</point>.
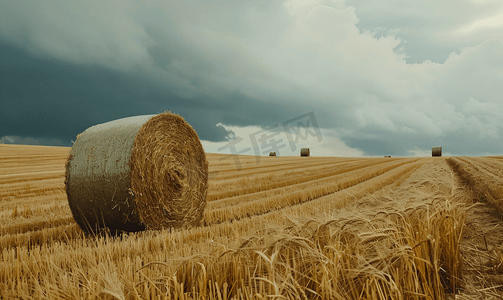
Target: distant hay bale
<point>436,151</point>
<point>304,152</point>
<point>131,174</point>
<point>272,153</point>
<point>387,156</point>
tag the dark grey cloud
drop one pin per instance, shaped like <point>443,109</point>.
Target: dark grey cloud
<point>53,99</point>
<point>385,78</point>
<point>54,85</point>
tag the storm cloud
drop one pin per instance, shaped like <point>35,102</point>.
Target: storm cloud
<point>384,78</point>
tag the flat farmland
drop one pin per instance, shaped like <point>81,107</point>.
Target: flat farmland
<point>273,228</point>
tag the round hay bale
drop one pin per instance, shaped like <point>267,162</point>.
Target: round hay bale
<point>272,153</point>
<point>387,156</point>
<point>304,152</point>
<point>436,151</point>
<point>131,174</point>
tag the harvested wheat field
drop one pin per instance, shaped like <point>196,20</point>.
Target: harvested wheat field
<point>280,228</point>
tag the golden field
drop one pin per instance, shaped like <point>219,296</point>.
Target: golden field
<point>282,228</point>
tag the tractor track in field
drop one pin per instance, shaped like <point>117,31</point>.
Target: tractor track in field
<point>468,173</point>
<point>482,238</point>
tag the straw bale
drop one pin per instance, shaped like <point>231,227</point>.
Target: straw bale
<point>436,151</point>
<point>304,152</point>
<point>131,174</point>
<point>272,153</point>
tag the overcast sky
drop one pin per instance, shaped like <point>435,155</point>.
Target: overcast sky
<point>345,78</point>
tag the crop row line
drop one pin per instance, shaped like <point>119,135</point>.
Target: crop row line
<point>297,196</point>
<point>266,168</point>
<point>300,178</point>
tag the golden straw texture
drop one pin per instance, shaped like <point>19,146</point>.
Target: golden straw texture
<point>131,174</point>
<point>169,173</point>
